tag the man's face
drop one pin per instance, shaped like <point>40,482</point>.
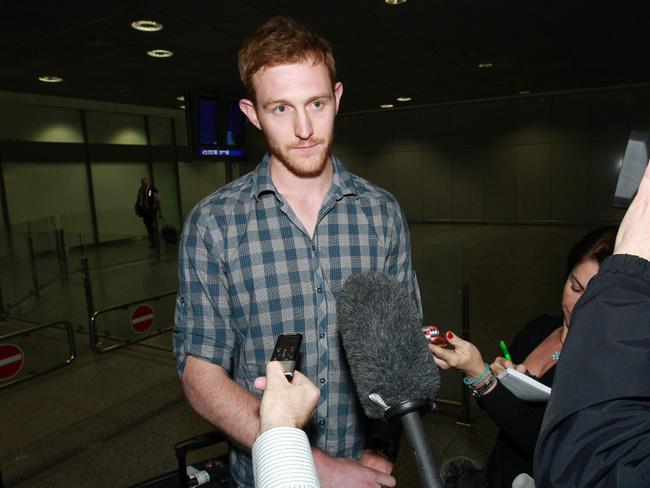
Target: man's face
<point>295,108</point>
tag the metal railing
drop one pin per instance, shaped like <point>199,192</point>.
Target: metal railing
<point>34,373</point>
<point>95,342</point>
<point>96,338</point>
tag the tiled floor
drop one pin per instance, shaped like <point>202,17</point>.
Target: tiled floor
<point>112,420</point>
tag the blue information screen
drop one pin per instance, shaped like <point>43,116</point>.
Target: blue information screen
<point>231,153</point>
<point>208,122</point>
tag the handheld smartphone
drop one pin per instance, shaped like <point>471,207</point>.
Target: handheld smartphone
<point>633,166</point>
<point>434,335</point>
<point>287,348</point>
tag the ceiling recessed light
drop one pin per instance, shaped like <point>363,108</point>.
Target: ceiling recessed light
<point>404,99</point>
<point>387,105</point>
<point>181,98</point>
<point>485,65</point>
<point>524,92</point>
<point>160,53</point>
<point>147,25</point>
<point>50,79</point>
<point>395,2</point>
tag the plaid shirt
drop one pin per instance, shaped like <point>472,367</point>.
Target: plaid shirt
<point>248,271</point>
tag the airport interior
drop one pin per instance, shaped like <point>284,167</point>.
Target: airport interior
<point>500,128</point>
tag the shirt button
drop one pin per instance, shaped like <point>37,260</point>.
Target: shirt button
<point>322,335</point>
<point>322,423</point>
<point>313,247</point>
<point>322,381</point>
<point>320,290</point>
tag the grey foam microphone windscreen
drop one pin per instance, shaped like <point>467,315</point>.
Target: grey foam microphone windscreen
<point>383,341</point>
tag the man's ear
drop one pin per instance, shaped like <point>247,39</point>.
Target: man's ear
<point>248,107</point>
<point>338,92</point>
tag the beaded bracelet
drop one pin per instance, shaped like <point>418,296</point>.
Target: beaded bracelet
<point>477,379</point>
<point>480,390</point>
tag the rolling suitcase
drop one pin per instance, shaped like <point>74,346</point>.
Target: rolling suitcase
<point>210,473</point>
<point>169,234</point>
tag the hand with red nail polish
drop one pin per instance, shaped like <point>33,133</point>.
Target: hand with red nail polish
<point>464,356</point>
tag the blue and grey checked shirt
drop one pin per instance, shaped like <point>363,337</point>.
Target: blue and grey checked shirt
<point>248,271</point>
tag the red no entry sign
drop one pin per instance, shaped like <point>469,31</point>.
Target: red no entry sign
<point>12,359</point>
<point>142,319</point>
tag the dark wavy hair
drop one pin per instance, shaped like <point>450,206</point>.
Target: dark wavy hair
<point>596,245</point>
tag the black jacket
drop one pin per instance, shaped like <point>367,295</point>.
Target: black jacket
<point>519,421</point>
<point>596,431</point>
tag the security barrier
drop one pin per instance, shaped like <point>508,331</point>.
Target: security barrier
<point>133,322</point>
<point>32,352</point>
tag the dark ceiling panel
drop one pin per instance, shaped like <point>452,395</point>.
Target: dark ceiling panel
<point>429,50</point>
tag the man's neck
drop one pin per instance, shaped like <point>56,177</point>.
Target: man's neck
<point>291,185</point>
<point>304,194</point>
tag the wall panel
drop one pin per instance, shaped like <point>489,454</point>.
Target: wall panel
<point>500,184</point>
<point>570,181</point>
<point>408,183</point>
<point>467,184</point>
<point>534,182</point>
<point>381,170</point>
<point>36,123</point>
<point>436,185</point>
<point>115,128</point>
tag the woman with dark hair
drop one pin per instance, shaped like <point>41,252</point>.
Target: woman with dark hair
<point>535,351</point>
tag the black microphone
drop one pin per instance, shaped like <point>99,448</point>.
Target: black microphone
<point>391,365</point>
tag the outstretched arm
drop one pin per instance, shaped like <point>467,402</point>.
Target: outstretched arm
<point>221,401</point>
<point>596,430</point>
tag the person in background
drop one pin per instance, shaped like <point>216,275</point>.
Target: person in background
<point>268,253</point>
<point>535,350</point>
<point>596,431</point>
<point>281,453</point>
<point>147,206</point>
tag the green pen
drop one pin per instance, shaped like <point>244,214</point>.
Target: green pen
<point>506,354</point>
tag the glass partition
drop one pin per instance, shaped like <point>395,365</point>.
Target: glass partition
<point>30,261</point>
<point>165,179</point>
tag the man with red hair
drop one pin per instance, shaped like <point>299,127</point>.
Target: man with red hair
<point>268,253</point>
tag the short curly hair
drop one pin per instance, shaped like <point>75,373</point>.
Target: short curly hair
<point>282,40</point>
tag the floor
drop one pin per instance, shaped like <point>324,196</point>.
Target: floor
<point>111,420</point>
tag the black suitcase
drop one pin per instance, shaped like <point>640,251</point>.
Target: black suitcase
<point>210,473</point>
<point>169,234</point>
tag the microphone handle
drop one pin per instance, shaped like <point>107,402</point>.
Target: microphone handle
<point>414,429</point>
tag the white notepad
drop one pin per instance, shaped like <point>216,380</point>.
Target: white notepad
<point>524,387</point>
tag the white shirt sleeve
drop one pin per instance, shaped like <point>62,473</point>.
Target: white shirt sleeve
<point>282,458</point>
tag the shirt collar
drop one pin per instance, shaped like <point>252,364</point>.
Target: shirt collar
<point>342,182</point>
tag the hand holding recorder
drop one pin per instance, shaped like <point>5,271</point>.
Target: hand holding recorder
<point>289,397</point>
<point>284,403</point>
